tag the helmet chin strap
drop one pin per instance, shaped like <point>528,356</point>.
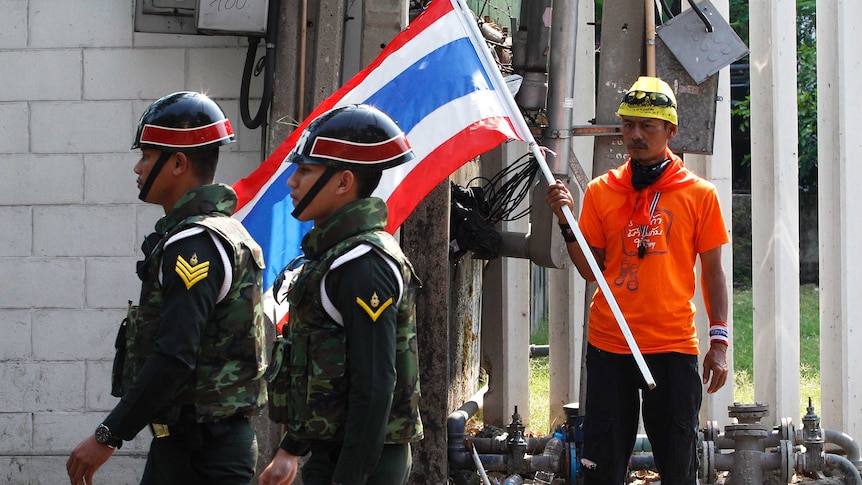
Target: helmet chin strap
<point>154,172</point>
<point>313,191</point>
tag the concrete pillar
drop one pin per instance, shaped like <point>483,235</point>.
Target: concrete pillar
<point>505,336</point>
<point>465,314</point>
<point>840,202</point>
<point>369,26</point>
<point>775,219</point>
<point>717,168</point>
<point>286,86</point>
<point>566,310</point>
<point>566,304</point>
<point>425,240</point>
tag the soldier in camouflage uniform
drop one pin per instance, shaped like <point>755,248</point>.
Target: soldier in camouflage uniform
<point>191,356</point>
<point>345,377</point>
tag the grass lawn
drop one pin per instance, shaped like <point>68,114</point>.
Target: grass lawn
<point>809,348</point>
<point>743,343</point>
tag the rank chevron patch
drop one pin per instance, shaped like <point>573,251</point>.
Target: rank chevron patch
<point>191,272</point>
<point>375,301</point>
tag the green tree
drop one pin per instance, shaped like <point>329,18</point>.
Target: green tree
<point>806,87</point>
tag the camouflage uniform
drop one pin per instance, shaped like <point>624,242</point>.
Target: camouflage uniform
<point>191,356</point>
<point>346,379</point>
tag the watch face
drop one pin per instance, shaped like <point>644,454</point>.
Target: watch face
<point>103,434</point>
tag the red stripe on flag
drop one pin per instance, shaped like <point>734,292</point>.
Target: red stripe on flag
<point>473,140</point>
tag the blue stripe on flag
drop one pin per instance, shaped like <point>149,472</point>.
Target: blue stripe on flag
<point>271,225</point>
<point>418,90</point>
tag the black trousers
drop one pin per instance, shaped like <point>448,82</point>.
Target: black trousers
<point>393,468</point>
<point>615,388</point>
<point>221,453</point>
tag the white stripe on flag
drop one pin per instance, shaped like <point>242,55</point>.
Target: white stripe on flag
<point>441,125</point>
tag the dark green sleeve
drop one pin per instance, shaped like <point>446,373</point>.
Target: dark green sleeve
<point>365,292</point>
<point>184,313</point>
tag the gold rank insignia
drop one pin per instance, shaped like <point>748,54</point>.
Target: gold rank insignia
<point>190,271</point>
<point>374,308</point>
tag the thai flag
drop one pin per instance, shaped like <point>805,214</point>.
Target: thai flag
<point>438,81</point>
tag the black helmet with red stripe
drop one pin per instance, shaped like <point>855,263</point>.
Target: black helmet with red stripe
<point>183,122</point>
<point>356,137</point>
<point>180,122</point>
<point>353,137</point>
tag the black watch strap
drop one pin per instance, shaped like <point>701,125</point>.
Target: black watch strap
<point>105,437</point>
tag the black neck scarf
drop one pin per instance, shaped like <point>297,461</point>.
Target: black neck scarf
<point>643,177</point>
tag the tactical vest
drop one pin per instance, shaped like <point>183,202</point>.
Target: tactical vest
<point>231,359</point>
<point>308,386</point>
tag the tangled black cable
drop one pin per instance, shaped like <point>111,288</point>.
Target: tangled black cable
<point>504,191</point>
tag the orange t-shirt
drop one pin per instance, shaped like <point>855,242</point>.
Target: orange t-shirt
<point>654,293</point>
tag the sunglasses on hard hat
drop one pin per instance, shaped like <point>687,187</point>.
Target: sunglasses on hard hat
<point>639,98</point>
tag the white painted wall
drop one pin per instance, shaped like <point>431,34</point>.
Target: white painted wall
<point>74,79</point>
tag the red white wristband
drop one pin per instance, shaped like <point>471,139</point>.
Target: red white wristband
<point>718,333</point>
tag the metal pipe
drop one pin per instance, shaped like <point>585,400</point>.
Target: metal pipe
<point>723,442</point>
<point>535,445</point>
<point>489,445</point>
<point>459,456</point>
<point>561,85</point>
<point>649,21</point>
<point>846,442</point>
<point>514,245</point>
<point>750,440</point>
<point>540,350</point>
<point>642,461</point>
<point>642,444</point>
<point>303,39</point>
<point>529,54</point>
<point>843,464</point>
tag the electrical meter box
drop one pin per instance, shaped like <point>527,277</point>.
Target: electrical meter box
<point>166,16</point>
<point>232,17</point>
<point>246,18</point>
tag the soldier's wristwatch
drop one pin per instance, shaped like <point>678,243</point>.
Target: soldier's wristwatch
<point>105,437</point>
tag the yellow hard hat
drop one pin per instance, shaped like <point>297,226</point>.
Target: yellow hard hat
<point>649,97</point>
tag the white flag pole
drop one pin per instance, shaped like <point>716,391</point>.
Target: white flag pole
<point>524,131</point>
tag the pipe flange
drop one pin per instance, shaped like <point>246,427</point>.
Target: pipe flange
<point>786,431</point>
<point>748,413</point>
<point>711,431</point>
<point>707,467</point>
<point>787,471</point>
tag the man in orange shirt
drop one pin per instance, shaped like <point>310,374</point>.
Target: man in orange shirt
<point>646,223</point>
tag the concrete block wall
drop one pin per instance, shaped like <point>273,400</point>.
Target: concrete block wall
<point>75,78</point>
